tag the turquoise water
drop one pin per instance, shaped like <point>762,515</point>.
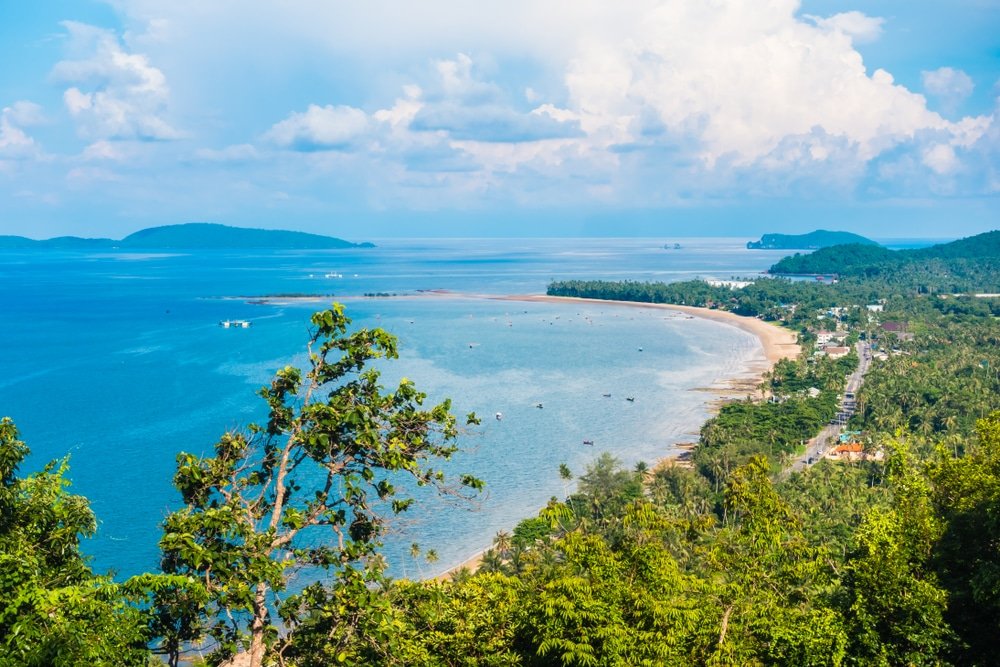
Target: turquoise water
<point>117,360</point>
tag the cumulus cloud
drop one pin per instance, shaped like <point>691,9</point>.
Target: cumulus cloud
<point>777,77</point>
<point>858,26</point>
<point>941,158</point>
<point>15,143</point>
<point>466,108</point>
<point>24,113</point>
<point>320,128</point>
<point>677,97</point>
<point>115,94</point>
<point>950,86</point>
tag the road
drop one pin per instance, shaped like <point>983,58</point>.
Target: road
<point>816,447</point>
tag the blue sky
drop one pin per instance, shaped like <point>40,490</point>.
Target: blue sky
<point>521,118</point>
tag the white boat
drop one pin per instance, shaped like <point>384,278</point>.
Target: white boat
<point>499,416</point>
<point>235,324</point>
<point>333,275</point>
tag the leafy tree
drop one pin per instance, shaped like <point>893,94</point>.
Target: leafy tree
<point>53,609</point>
<point>966,494</point>
<point>311,489</point>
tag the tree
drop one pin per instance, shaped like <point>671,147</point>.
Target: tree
<point>311,489</point>
<point>53,609</point>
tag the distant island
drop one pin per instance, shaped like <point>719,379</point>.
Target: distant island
<point>820,238</point>
<point>974,260</point>
<point>190,236</point>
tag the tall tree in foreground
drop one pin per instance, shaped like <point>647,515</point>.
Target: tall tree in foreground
<point>310,490</point>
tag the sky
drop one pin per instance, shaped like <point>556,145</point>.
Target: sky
<point>393,118</point>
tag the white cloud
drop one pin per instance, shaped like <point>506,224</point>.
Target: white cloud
<point>940,158</point>
<point>950,86</point>
<point>15,142</point>
<point>858,26</point>
<point>235,153</point>
<point>103,150</point>
<point>320,128</point>
<point>116,94</point>
<point>24,113</point>
<point>676,97</point>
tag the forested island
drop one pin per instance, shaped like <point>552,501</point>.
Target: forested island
<point>820,238</point>
<point>970,264</point>
<point>887,557</point>
<point>189,236</point>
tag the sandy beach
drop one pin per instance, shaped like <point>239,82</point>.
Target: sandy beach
<point>777,343</point>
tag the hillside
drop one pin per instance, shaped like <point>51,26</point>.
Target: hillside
<point>191,236</point>
<point>820,238</point>
<point>971,263</point>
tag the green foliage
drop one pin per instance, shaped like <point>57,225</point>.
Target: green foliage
<point>309,490</point>
<point>970,264</point>
<point>53,609</point>
<point>965,492</point>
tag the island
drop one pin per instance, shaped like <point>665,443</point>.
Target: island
<point>189,236</point>
<point>820,238</point>
<point>969,262</point>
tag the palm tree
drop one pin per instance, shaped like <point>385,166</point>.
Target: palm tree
<point>566,475</point>
<point>502,544</point>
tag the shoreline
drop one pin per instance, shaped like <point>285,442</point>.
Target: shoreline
<point>777,343</point>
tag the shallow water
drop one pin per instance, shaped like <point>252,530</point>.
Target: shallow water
<point>118,361</point>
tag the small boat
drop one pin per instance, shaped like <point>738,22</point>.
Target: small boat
<point>235,324</point>
<point>333,275</point>
<point>640,349</point>
<point>606,395</point>
<point>539,406</point>
<point>589,442</point>
<point>499,416</point>
<point>630,399</point>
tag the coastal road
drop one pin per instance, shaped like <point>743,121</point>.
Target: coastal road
<point>818,446</point>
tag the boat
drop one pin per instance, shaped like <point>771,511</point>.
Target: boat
<point>606,395</point>
<point>630,399</point>
<point>539,406</point>
<point>333,274</point>
<point>235,324</point>
<point>589,442</point>
<point>499,416</point>
<point>640,349</point>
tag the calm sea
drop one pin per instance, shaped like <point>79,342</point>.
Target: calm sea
<point>117,360</point>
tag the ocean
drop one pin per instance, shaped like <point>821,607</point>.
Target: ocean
<point>117,360</point>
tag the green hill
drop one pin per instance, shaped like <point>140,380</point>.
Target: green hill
<point>191,236</point>
<point>971,263</point>
<point>820,238</point>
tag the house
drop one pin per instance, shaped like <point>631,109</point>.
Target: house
<point>836,351</point>
<point>875,307</point>
<point>898,329</point>
<point>853,451</point>
<point>849,448</point>
<point>824,337</point>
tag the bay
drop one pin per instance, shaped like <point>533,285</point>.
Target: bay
<point>117,360</point>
